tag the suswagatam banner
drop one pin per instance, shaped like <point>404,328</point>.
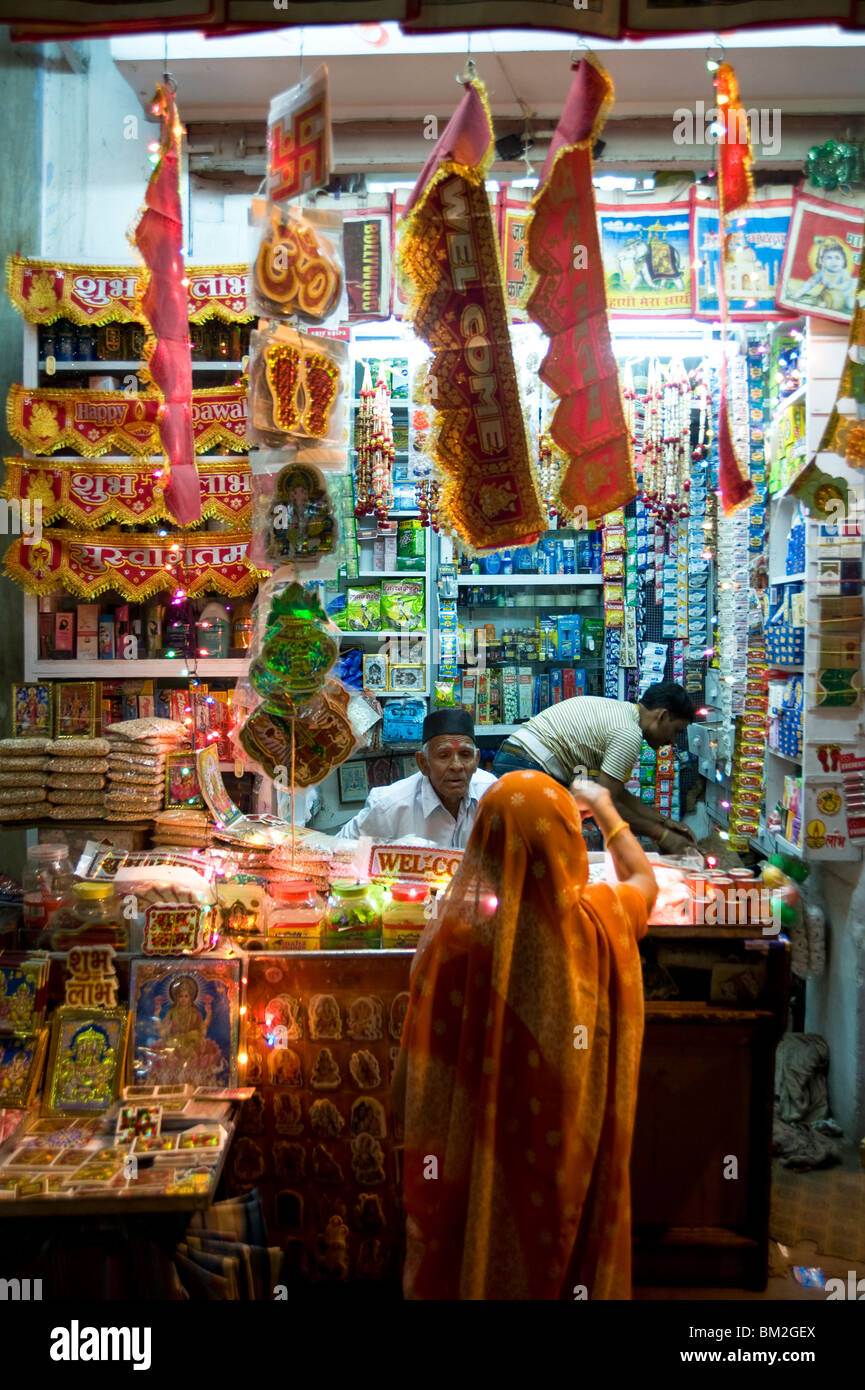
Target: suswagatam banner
<point>43,291</point>
<point>45,419</point>
<point>85,564</point>
<point>90,494</point>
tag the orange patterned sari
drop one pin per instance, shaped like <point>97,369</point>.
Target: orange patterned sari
<point>522,1043</point>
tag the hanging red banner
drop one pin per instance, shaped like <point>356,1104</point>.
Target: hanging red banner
<point>449,250</point>
<point>569,304</point>
<point>43,291</point>
<point>518,275</point>
<point>84,564</point>
<point>44,420</point>
<point>94,493</point>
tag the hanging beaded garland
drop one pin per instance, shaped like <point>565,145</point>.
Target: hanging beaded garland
<point>629,402</point>
<point>373,442</point>
<point>427,491</point>
<point>551,462</point>
<point>667,443</point>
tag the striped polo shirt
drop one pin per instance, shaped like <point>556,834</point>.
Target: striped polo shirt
<point>587,731</point>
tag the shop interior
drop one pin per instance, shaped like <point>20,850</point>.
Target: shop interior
<point>252,543</point>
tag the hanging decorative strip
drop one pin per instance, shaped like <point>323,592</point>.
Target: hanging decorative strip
<point>45,419</point>
<point>374,447</point>
<point>735,190</point>
<point>93,493</point>
<point>569,304</point>
<point>449,252</point>
<point>159,238</point>
<point>845,429</point>
<point>43,291</point>
<point>84,564</point>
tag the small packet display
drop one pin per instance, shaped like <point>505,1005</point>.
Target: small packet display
<point>296,394</point>
<point>362,612</point>
<point>297,270</point>
<point>403,603</point>
<point>300,522</point>
<point>299,147</point>
<point>410,544</point>
<point>403,720</point>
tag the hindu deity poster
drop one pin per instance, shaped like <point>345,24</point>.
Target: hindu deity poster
<point>185,1022</point>
<point>821,263</point>
<point>756,236</point>
<point>85,1065</point>
<point>647,258</point>
<point>21,1062</point>
<point>23,984</point>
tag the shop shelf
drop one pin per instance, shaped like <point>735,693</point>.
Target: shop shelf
<point>106,368</point>
<point>797,395</point>
<point>229,667</point>
<point>784,757</point>
<point>484,581</point>
<point>788,579</point>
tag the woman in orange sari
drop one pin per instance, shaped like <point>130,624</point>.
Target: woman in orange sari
<point>520,1053</point>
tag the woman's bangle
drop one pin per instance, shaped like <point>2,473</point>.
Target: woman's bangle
<point>662,837</point>
<point>622,825</point>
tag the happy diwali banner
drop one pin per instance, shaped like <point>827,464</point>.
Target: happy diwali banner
<point>756,238</point>
<point>647,258</point>
<point>45,419</point>
<point>93,493</point>
<point>135,566</point>
<point>46,290</point>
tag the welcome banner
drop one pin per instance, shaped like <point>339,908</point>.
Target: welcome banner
<point>43,291</point>
<point>450,255</point>
<point>94,493</point>
<point>45,419</point>
<point>85,564</point>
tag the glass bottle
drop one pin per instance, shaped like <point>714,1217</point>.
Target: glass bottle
<point>294,915</point>
<point>404,915</point>
<point>47,878</point>
<point>89,915</point>
<point>353,919</point>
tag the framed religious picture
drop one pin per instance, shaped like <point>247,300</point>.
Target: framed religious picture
<point>820,269</point>
<point>185,1022</point>
<point>353,784</point>
<point>23,985</point>
<point>31,711</point>
<point>85,1063</point>
<point>21,1061</point>
<point>404,678</point>
<point>181,780</point>
<point>375,672</point>
<point>75,709</point>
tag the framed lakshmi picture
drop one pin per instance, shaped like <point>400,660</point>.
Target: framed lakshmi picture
<point>23,983</point>
<point>75,709</point>
<point>21,1061</point>
<point>181,781</point>
<point>85,1063</point>
<point>31,711</point>
<point>185,1022</point>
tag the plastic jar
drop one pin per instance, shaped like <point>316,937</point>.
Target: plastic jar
<point>88,916</point>
<point>353,917</point>
<point>404,915</point>
<point>47,880</point>
<point>294,915</point>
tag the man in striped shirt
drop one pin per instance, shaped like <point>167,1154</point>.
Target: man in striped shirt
<point>589,735</point>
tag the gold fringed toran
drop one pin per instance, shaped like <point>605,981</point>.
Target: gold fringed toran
<point>450,256</point>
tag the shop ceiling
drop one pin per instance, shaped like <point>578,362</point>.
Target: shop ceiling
<point>384,84</point>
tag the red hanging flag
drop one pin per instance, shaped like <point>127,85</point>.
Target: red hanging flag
<point>159,238</point>
<point>735,190</point>
<point>735,184</point>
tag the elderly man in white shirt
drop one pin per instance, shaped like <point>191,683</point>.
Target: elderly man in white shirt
<point>439,802</point>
